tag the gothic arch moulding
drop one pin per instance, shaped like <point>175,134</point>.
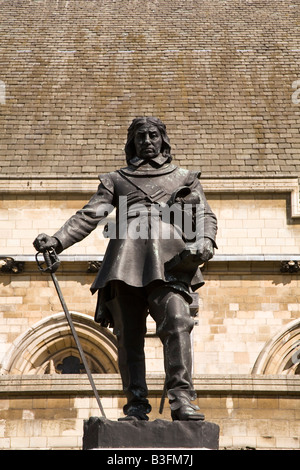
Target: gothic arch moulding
<point>49,347</point>
<point>281,354</point>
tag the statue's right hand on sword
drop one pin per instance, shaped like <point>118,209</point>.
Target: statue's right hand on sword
<point>45,242</point>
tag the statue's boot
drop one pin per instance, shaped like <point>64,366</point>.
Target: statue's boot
<point>174,324</point>
<point>181,407</point>
<point>129,315</point>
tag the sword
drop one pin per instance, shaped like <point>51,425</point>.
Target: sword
<point>163,399</point>
<point>52,263</point>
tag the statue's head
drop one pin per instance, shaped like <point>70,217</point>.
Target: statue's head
<point>146,138</point>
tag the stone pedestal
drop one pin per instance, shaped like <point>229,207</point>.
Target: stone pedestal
<point>101,433</point>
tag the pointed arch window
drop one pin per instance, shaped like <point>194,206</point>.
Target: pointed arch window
<point>48,347</point>
<point>281,354</point>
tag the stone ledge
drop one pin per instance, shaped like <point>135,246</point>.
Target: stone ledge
<point>101,433</point>
<point>88,185</point>
<point>73,384</point>
<point>78,183</point>
<point>78,258</point>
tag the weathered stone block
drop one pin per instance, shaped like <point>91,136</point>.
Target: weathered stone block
<point>100,433</point>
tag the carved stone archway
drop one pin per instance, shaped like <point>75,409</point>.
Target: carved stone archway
<point>48,345</point>
<point>281,354</point>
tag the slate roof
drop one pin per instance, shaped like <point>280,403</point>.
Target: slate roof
<point>218,73</point>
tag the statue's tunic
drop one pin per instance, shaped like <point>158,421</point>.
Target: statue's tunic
<point>138,261</point>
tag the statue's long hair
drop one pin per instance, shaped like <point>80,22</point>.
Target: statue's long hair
<point>138,122</point>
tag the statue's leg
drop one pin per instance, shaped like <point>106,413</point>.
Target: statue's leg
<point>129,315</point>
<point>174,324</point>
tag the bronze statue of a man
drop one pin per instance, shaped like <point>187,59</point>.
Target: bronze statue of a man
<point>154,273</point>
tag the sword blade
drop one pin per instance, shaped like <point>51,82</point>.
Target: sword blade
<point>76,339</point>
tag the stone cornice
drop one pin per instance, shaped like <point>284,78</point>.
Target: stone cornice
<point>287,185</point>
<point>78,183</point>
<point>222,185</point>
<point>30,258</point>
<point>111,384</point>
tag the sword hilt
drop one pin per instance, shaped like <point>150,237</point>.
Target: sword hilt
<point>50,259</point>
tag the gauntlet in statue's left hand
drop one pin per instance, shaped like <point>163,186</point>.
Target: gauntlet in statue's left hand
<point>192,257</point>
<point>206,250</point>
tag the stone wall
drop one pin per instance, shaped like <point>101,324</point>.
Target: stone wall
<point>255,216</point>
<point>248,323</point>
<point>245,302</point>
<point>47,412</point>
<point>241,309</point>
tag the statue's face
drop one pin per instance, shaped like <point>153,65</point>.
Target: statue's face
<point>147,141</point>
